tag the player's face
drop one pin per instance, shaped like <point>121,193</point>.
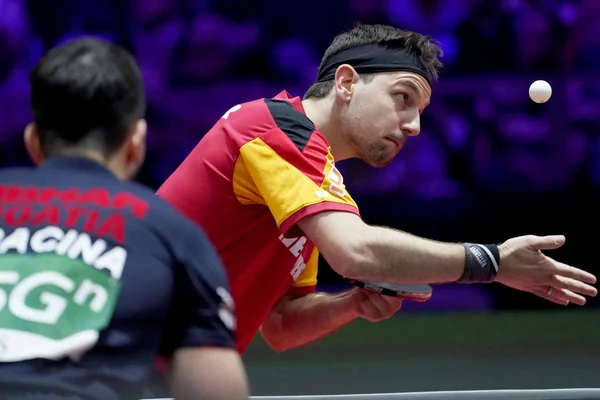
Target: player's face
<point>131,156</point>
<point>383,113</point>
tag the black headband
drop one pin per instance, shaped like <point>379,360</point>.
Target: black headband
<point>371,58</point>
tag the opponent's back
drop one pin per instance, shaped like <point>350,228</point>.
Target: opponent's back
<point>91,270</point>
<point>99,277</point>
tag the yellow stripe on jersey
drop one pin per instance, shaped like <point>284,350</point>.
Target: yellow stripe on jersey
<point>308,277</point>
<point>262,176</point>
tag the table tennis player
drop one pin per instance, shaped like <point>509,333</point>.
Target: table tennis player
<point>264,185</point>
<point>98,276</point>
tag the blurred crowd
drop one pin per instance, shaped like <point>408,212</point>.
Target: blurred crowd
<point>484,145</point>
<point>200,57</point>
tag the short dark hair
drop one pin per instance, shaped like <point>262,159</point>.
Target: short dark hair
<point>427,49</point>
<point>86,93</point>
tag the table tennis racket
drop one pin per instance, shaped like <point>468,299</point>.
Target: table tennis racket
<point>408,292</point>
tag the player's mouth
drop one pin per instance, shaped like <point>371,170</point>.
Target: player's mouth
<point>398,142</point>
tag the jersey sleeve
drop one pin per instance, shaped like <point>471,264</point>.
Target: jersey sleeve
<point>307,281</point>
<point>202,312</point>
<point>293,173</point>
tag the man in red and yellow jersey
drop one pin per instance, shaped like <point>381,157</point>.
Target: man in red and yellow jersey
<point>264,186</point>
<point>261,169</point>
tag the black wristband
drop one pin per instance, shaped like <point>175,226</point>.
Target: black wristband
<point>481,263</point>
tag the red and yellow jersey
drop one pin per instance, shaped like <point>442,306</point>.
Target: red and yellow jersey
<point>261,169</point>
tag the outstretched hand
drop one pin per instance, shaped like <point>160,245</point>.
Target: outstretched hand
<point>523,266</point>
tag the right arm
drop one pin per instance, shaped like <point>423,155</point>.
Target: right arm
<point>208,373</point>
<point>357,250</point>
<point>316,201</point>
<point>199,339</point>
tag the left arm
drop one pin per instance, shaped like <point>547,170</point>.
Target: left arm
<point>302,316</point>
<point>294,322</point>
<point>199,336</point>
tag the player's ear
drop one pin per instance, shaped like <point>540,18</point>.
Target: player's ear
<point>345,79</point>
<point>135,150</point>
<point>33,144</point>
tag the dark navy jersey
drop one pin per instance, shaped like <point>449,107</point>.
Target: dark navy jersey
<point>98,278</point>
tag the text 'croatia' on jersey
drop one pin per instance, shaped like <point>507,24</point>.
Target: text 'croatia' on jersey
<point>98,278</point>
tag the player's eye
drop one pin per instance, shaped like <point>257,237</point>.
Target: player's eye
<point>402,98</point>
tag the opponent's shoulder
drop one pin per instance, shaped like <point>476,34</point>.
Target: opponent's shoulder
<point>10,174</point>
<point>161,214</point>
<point>181,234</point>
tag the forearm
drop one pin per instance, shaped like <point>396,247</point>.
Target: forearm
<point>360,251</point>
<point>209,373</point>
<point>296,322</point>
<point>393,256</point>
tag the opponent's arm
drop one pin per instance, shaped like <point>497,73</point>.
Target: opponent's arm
<point>199,336</point>
<point>208,373</point>
<point>355,249</point>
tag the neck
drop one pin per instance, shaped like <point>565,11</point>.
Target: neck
<point>91,154</point>
<point>325,115</point>
<point>109,163</point>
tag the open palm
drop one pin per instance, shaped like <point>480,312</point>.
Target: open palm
<point>523,266</point>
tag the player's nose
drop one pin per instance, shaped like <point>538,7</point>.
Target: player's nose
<point>411,125</point>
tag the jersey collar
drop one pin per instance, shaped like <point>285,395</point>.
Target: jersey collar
<point>76,163</point>
<point>296,102</point>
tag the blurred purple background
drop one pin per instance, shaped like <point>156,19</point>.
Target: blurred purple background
<point>489,162</point>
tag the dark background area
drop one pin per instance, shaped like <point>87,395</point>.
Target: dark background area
<point>489,163</point>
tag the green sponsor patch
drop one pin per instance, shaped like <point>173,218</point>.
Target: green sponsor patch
<point>54,297</point>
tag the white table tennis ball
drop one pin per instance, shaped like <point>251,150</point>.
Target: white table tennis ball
<point>540,91</point>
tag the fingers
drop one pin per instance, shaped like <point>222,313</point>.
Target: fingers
<point>550,242</point>
<point>377,307</point>
<point>569,296</point>
<point>559,296</point>
<point>384,302</point>
<point>553,296</point>
<point>573,285</point>
<point>571,272</point>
